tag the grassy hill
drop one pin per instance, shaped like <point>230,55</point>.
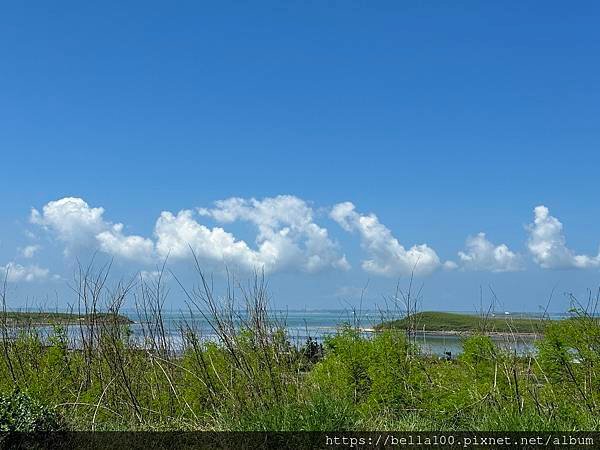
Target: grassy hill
<point>466,323</point>
<point>14,318</point>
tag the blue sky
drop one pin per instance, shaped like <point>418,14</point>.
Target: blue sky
<point>444,121</point>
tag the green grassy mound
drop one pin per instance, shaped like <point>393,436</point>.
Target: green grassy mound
<point>466,323</point>
<point>19,318</point>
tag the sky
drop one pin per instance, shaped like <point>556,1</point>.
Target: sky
<point>334,145</point>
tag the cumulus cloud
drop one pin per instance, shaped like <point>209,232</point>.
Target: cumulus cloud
<point>547,244</point>
<point>29,251</point>
<point>287,234</point>
<point>481,254</point>
<point>287,237</point>
<point>15,273</point>
<point>386,255</point>
<point>78,225</point>
<point>177,234</point>
<point>71,220</point>
<point>136,248</point>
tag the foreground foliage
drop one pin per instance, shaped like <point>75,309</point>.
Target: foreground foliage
<point>253,378</point>
<point>20,412</point>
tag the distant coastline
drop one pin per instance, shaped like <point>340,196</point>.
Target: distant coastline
<point>38,319</point>
<point>441,333</point>
<point>429,323</point>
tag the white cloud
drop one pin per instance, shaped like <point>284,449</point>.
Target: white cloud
<point>18,273</point>
<point>481,254</point>
<point>450,265</point>
<point>136,248</point>
<point>547,244</point>
<point>287,237</point>
<point>287,234</point>
<point>78,225</point>
<point>177,234</point>
<point>386,255</point>
<point>71,220</point>
<point>29,251</point>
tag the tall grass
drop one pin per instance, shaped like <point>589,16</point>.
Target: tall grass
<point>249,375</point>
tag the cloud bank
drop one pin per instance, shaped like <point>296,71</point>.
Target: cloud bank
<point>287,234</point>
<point>287,238</point>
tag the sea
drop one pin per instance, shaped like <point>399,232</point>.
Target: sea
<point>318,324</point>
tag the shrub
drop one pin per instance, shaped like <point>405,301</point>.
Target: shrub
<point>21,412</point>
<point>478,349</point>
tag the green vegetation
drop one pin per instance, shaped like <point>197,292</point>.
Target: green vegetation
<point>467,323</point>
<point>20,412</point>
<point>22,319</point>
<point>252,378</point>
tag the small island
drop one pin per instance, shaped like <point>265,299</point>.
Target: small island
<point>26,318</point>
<point>434,322</point>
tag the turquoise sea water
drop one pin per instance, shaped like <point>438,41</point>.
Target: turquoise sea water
<point>316,324</point>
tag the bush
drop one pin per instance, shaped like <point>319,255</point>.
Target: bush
<point>374,372</point>
<point>478,349</point>
<point>21,412</point>
<point>569,355</point>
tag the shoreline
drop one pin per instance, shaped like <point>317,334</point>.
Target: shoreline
<point>456,333</point>
<point>20,319</point>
